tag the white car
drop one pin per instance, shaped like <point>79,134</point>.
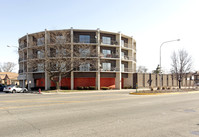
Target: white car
<point>14,89</point>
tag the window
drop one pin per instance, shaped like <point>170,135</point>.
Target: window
<point>63,66</point>
<point>84,67</point>
<point>40,67</point>
<point>84,38</point>
<point>40,41</point>
<point>53,52</point>
<point>122,55</point>
<point>60,39</point>
<point>84,52</point>
<point>106,40</point>
<point>122,68</point>
<point>40,54</point>
<point>106,52</point>
<point>122,43</point>
<point>106,66</point>
<point>63,52</point>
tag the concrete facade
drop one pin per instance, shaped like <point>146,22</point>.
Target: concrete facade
<point>115,59</point>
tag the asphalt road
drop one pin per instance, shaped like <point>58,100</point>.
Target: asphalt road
<point>94,114</point>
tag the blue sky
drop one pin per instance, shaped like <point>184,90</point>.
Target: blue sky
<point>150,22</point>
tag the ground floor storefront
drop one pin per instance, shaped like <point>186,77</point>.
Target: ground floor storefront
<point>82,80</point>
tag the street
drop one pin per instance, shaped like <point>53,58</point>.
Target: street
<point>99,114</point>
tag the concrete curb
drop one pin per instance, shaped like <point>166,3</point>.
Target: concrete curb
<point>134,93</point>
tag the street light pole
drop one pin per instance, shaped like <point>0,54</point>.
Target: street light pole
<point>23,64</point>
<point>160,58</point>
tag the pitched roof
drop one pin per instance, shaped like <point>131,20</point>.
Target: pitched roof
<point>11,75</point>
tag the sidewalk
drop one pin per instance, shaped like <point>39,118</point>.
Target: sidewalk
<point>84,91</point>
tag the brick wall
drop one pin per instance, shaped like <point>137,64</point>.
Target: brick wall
<point>40,82</point>
<point>84,82</point>
<point>107,82</point>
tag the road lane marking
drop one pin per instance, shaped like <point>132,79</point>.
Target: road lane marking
<point>21,100</point>
<point>62,102</point>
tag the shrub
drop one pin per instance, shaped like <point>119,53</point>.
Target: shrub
<point>64,88</point>
<point>92,88</point>
<point>104,88</point>
<point>163,88</point>
<point>86,88</point>
<point>80,88</point>
<point>52,88</point>
<point>168,88</point>
<point>130,87</point>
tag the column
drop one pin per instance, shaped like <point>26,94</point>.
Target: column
<point>47,79</point>
<point>27,74</point>
<point>98,60</point>
<point>118,81</point>
<point>72,73</point>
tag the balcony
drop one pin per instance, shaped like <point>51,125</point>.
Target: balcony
<point>88,41</point>
<point>20,71</point>
<point>127,58</point>
<point>20,59</point>
<point>85,69</point>
<point>126,45</point>
<point>40,41</point>
<point>108,55</point>
<point>21,46</point>
<point>127,70</point>
<point>111,69</point>
<point>112,42</point>
<point>36,56</point>
<point>34,69</point>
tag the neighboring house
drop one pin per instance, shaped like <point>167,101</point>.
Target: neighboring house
<point>196,78</point>
<point>115,57</point>
<point>8,78</point>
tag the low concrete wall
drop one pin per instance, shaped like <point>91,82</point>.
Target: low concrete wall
<point>146,80</point>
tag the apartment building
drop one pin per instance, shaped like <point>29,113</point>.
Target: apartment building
<point>90,58</point>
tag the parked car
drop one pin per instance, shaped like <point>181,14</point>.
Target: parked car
<point>14,89</point>
<point>2,87</point>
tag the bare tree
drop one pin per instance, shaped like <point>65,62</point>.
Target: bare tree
<point>61,59</point>
<point>142,69</point>
<point>181,64</point>
<point>8,66</point>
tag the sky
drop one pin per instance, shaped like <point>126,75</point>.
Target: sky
<point>150,22</point>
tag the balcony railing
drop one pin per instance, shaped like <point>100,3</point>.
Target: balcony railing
<point>81,55</point>
<point>125,57</point>
<point>20,59</point>
<point>113,69</point>
<point>126,45</point>
<point>21,46</point>
<point>85,69</point>
<point>20,71</point>
<point>127,70</point>
<point>112,42</point>
<point>76,40</point>
<point>109,55</point>
<point>36,56</point>
<point>35,70</point>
